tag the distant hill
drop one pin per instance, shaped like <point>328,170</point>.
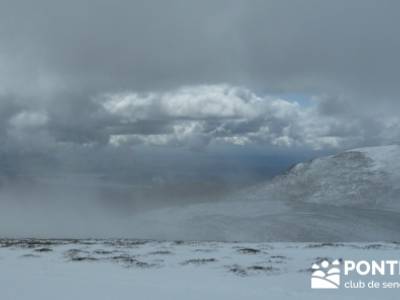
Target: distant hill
<point>351,196</point>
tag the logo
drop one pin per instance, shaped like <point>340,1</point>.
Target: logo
<point>356,274</point>
<point>325,275</point>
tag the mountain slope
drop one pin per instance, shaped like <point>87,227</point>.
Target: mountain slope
<point>351,196</point>
<point>365,177</point>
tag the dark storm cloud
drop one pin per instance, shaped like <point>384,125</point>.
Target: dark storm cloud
<point>140,104</point>
<point>102,45</point>
<point>335,46</point>
<point>62,61</point>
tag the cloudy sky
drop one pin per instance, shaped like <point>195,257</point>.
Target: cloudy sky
<point>209,93</point>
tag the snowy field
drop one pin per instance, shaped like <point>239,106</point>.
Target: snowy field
<point>140,269</point>
<point>344,203</point>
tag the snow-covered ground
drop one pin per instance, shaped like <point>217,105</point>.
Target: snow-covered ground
<point>138,269</point>
<point>336,207</point>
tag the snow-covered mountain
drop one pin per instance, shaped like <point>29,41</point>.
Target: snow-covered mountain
<point>351,196</point>
<point>365,177</point>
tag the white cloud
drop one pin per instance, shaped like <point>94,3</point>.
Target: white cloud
<point>28,130</point>
<point>199,115</point>
<point>29,119</point>
<point>214,101</point>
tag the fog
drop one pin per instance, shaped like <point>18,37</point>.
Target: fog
<point>108,110</point>
<point>85,196</point>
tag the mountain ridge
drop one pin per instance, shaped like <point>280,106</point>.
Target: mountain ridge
<point>349,196</point>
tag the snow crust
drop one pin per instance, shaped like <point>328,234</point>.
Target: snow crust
<point>129,269</point>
